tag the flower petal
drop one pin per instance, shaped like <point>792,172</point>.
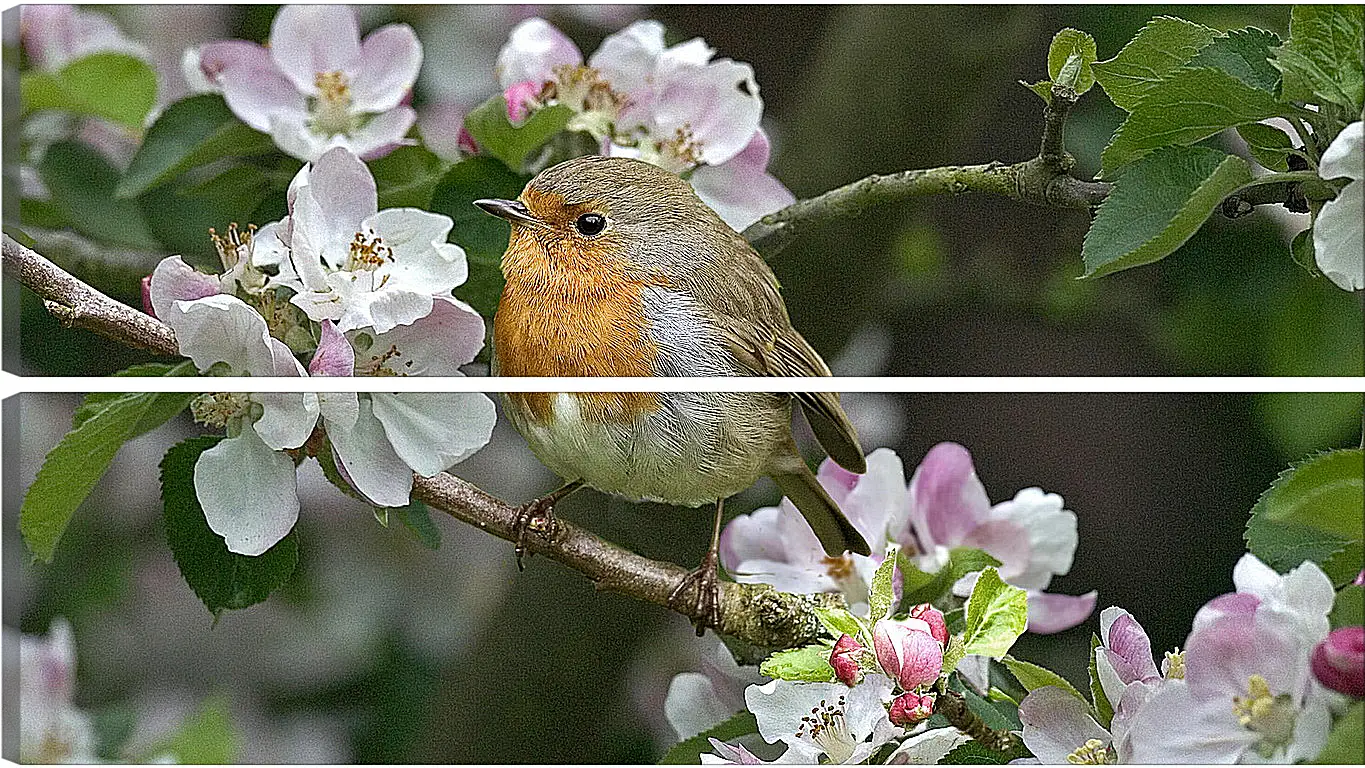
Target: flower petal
<point>1049,612</point>
<point>422,261</point>
<point>929,747</point>
<point>222,328</point>
<point>288,418</point>
<point>248,493</point>
<point>334,355</point>
<point>1338,242</point>
<point>533,49</point>
<point>307,40</point>
<point>692,705</point>
<point>1208,732</point>
<point>433,430</point>
<point>1345,156</point>
<point>717,103</point>
<point>434,345</point>
<point>173,280</point>
<point>390,58</point>
<point>342,195</point>
<point>627,60</point>
<point>1051,533</point>
<point>383,133</point>
<point>259,95</point>
<point>740,190</point>
<point>1056,724</point>
<point>946,498</point>
<point>367,457</point>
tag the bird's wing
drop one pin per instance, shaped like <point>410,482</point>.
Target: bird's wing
<point>747,308</point>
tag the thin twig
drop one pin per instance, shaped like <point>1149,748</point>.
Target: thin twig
<point>953,706</point>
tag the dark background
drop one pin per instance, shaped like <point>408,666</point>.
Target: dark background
<point>384,651</point>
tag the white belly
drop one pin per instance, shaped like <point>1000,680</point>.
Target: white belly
<point>697,448</point>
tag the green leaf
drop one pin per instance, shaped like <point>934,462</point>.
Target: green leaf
<point>1346,742</point>
<point>1065,44</point>
<point>204,738</point>
<point>494,133</point>
<point>953,654</point>
<point>95,402</point>
<point>417,518</point>
<point>1158,204</point>
<point>1032,676</point>
<point>221,579</point>
<point>996,615</point>
<point>482,236</point>
<point>689,751</point>
<point>881,598</point>
<point>997,715</point>
<point>976,753</point>
<point>72,468</point>
<point>82,184</point>
<point>406,177</point>
<point>1269,145</point>
<point>1313,512</point>
<point>1349,608</point>
<point>190,133</point>
<point>1322,62</point>
<point>1043,88</point>
<point>1244,54</point>
<point>1189,106</point>
<point>920,587</point>
<point>1104,711</point>
<point>838,621</point>
<point>808,665</point>
<point>1158,49</point>
<point>113,86</point>
<point>1301,250</point>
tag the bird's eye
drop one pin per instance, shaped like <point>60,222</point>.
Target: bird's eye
<point>591,224</point>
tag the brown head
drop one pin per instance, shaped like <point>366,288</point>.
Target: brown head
<point>611,216</point>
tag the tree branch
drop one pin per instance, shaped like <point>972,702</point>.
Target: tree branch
<point>754,613</point>
<point>953,706</point>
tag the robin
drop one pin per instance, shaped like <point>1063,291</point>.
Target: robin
<point>615,267</point>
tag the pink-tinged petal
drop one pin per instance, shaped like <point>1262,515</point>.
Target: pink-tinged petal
<point>260,95</point>
<point>217,57</point>
<point>1339,661</point>
<point>390,58</point>
<point>55,35</point>
<point>907,651</point>
<point>282,360</point>
<point>1359,579</point>
<point>441,127</point>
<point>718,103</point>
<point>1005,541</point>
<point>946,498</point>
<point>627,60</point>
<point>248,493</point>
<point>306,40</point>
<point>769,534</point>
<point>146,285</point>
<point>1051,533</point>
<point>938,626</point>
<point>879,499</point>
<point>434,345</point>
<point>521,99</point>
<point>836,480</point>
<point>173,280</point>
<point>1231,604</point>
<point>533,49</point>
<point>730,754</point>
<point>383,133</point>
<point>341,194</point>
<point>1221,657</point>
<point>1056,724</point>
<point>1048,612</point>
<point>1208,734</point>
<point>334,355</point>
<point>1128,646</point>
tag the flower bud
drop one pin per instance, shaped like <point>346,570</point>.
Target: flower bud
<point>844,659</point>
<point>932,616</point>
<point>910,708</point>
<point>907,651</point>
<point>521,100</point>
<point>1339,661</point>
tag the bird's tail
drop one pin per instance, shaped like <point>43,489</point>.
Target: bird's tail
<point>832,528</point>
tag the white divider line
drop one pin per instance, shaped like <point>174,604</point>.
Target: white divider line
<point>11,384</point>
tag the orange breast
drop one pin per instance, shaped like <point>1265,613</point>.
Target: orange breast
<point>574,313</point>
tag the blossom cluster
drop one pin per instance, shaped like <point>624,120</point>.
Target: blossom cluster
<point>363,292</point>
<point>943,507</point>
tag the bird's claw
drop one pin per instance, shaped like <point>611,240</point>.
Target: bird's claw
<point>535,516</point>
<point>703,587</point>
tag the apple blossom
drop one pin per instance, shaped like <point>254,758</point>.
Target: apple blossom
<point>908,652</point>
<point>676,107</point>
<point>316,85</point>
<point>824,720</point>
<point>1338,242</point>
<point>911,708</point>
<point>1125,653</point>
<point>1339,661</point>
<point>1032,535</point>
<point>51,728</point>
<point>1059,729</point>
<point>697,701</point>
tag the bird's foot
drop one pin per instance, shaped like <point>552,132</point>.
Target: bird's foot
<point>536,516</point>
<point>698,595</point>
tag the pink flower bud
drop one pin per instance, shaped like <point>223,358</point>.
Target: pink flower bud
<point>910,708</point>
<point>465,143</point>
<point>844,659</point>
<point>147,295</point>
<point>907,651</point>
<point>521,99</point>
<point>1360,579</point>
<point>1339,661</point>
<point>934,618</point>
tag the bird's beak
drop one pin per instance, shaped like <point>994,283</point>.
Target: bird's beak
<point>511,210</point>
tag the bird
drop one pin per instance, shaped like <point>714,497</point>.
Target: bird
<point>614,267</point>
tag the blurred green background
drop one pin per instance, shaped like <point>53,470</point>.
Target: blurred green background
<point>384,651</point>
